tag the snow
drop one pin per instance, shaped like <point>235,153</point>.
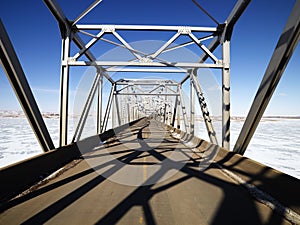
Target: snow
<point>276,142</point>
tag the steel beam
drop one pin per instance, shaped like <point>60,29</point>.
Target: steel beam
<point>128,113</point>
<point>108,107</point>
<point>59,15</point>
<point>183,108</point>
<point>202,46</point>
<point>144,27</point>
<point>174,112</point>
<point>99,108</point>
<point>212,46</point>
<point>88,45</point>
<point>152,94</point>
<point>158,86</point>
<point>143,64</point>
<point>113,112</point>
<point>85,12</point>
<point>165,111</point>
<point>126,87</point>
<point>187,43</point>
<point>178,114</point>
<point>86,108</point>
<point>64,93</point>
<point>146,82</point>
<point>280,58</point>
<point>77,40</point>
<point>233,17</point>
<point>226,95</point>
<point>207,120</point>
<point>18,81</point>
<point>65,25</point>
<point>192,108</point>
<point>162,48</point>
<point>126,44</point>
<point>145,70</point>
<point>117,109</point>
<point>231,20</point>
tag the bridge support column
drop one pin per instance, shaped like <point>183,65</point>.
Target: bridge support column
<point>117,109</point>
<point>183,108</point>
<point>64,91</point>
<point>226,95</point>
<point>174,112</point>
<point>192,107</point>
<point>99,108</point>
<point>108,107</point>
<point>178,114</point>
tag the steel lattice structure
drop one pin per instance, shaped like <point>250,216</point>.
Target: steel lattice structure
<point>163,98</point>
<point>145,62</point>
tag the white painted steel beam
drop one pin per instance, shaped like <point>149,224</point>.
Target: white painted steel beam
<point>65,25</point>
<point>226,95</point>
<point>146,70</point>
<point>88,45</point>
<point>192,108</point>
<point>85,12</point>
<point>235,14</point>
<point>212,46</point>
<point>108,107</point>
<point>126,44</point>
<point>203,47</point>
<point>162,48</point>
<point>99,108</point>
<point>152,94</point>
<point>144,27</point>
<point>149,64</point>
<point>143,82</point>
<point>64,93</point>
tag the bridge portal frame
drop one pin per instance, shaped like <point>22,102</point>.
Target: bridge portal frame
<point>220,35</point>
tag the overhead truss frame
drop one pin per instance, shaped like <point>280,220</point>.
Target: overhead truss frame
<point>145,62</point>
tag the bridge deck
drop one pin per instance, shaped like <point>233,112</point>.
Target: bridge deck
<point>167,186</point>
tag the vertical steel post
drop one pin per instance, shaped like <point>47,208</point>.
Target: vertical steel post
<point>117,109</point>
<point>128,108</point>
<point>183,108</point>
<point>165,112</point>
<point>108,107</point>
<point>64,91</point>
<point>174,112</point>
<point>99,108</point>
<point>226,95</point>
<point>128,112</point>
<point>113,112</point>
<point>178,113</point>
<point>192,107</point>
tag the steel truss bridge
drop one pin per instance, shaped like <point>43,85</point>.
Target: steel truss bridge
<point>150,119</point>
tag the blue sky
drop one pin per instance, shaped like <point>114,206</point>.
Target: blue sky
<point>35,36</point>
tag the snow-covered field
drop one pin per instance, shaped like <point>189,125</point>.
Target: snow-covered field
<point>276,142</point>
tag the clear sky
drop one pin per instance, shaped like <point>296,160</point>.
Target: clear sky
<point>35,36</point>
